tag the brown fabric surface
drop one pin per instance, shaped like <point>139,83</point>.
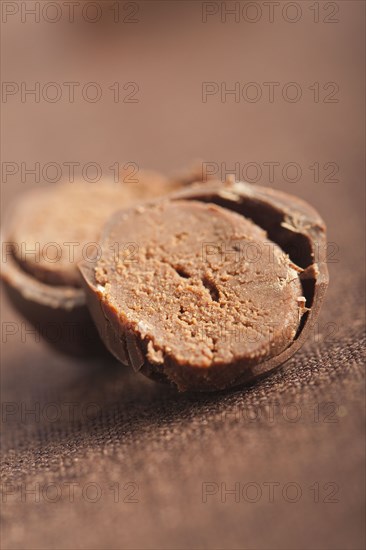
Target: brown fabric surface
<point>304,424</point>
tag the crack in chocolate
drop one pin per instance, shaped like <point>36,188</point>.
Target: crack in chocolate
<point>181,272</point>
<point>212,288</point>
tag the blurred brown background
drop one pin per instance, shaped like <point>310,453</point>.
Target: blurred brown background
<point>304,425</point>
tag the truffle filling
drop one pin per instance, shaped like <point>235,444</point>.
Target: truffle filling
<point>199,284</point>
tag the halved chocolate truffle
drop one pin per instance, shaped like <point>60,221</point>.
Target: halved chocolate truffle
<point>208,298</point>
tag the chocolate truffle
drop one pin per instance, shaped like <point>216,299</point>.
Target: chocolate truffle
<point>202,296</point>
